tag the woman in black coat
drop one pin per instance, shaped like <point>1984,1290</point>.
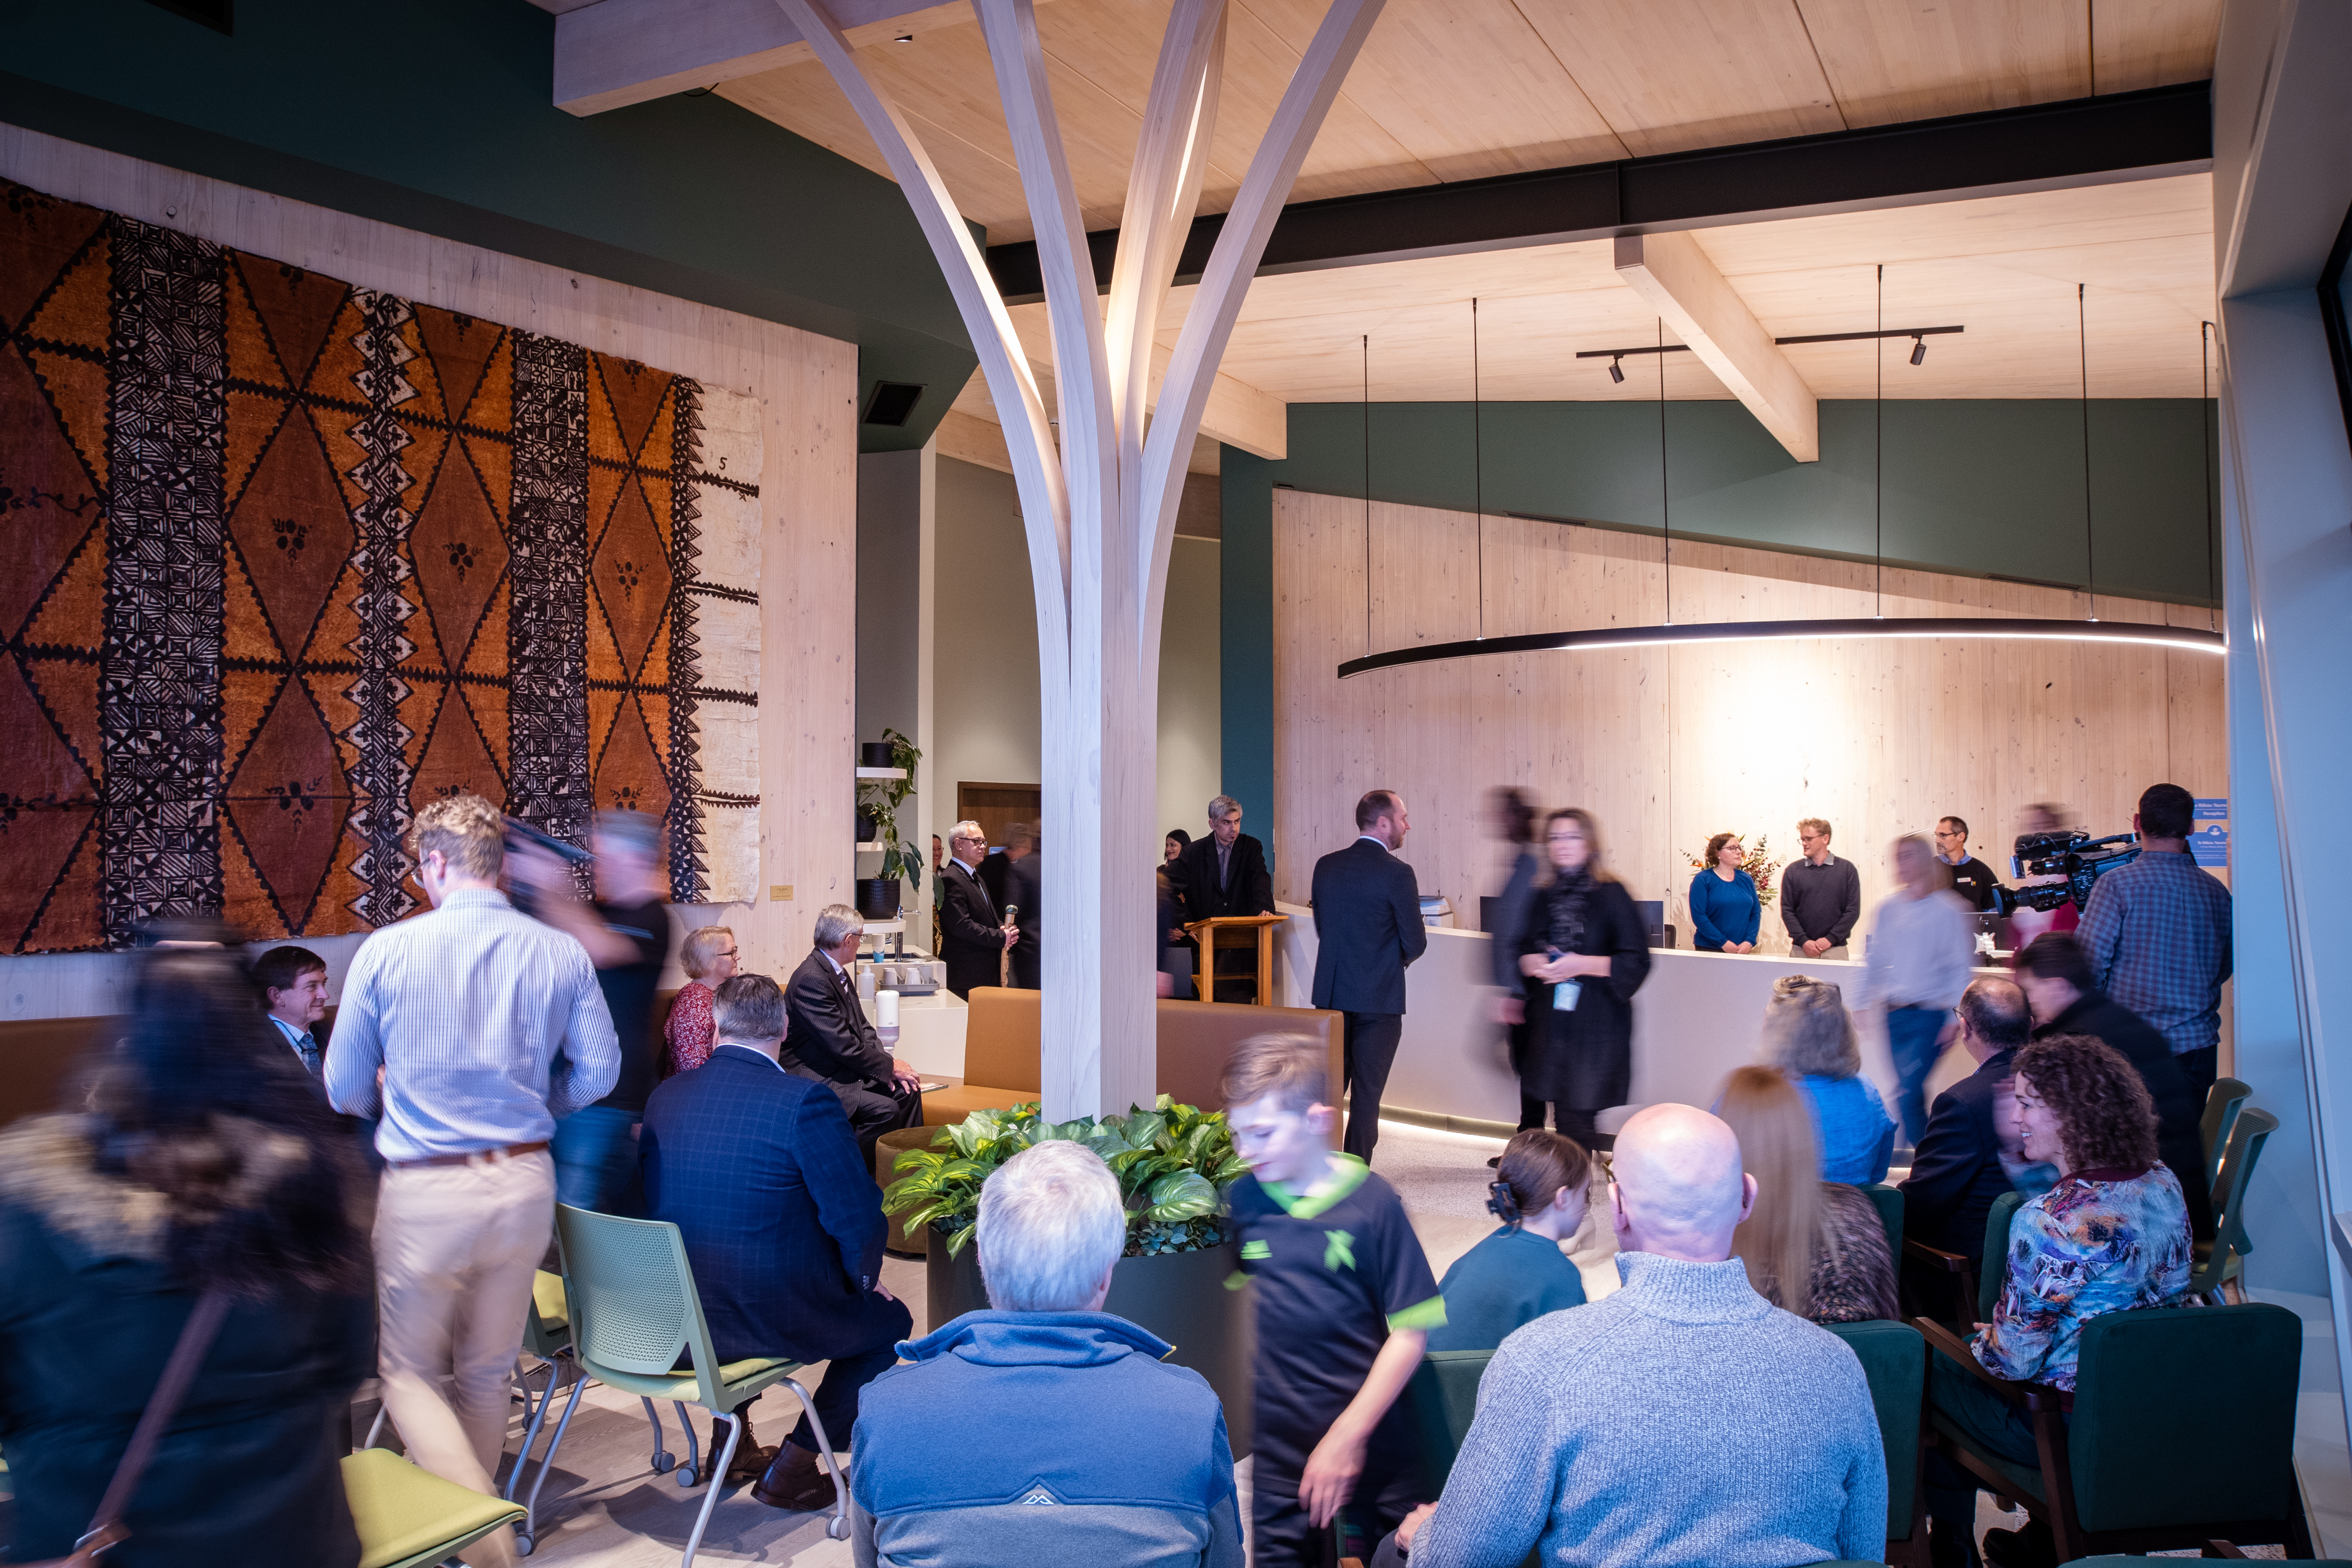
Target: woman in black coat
<point>205,1160</point>
<point>1583,955</point>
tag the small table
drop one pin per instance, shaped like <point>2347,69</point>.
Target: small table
<point>1260,926</point>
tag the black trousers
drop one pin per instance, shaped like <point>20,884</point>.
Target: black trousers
<point>1281,1536</point>
<point>1371,1047</point>
<point>2202,1068</point>
<point>872,1113</point>
<point>846,1377</point>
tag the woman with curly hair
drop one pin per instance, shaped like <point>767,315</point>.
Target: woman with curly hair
<point>204,1164</point>
<point>1726,912</point>
<point>2112,1235</point>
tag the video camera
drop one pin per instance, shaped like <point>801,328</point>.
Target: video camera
<point>2072,857</point>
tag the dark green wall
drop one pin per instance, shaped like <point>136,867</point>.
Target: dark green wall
<point>1982,487</point>
<point>438,115</point>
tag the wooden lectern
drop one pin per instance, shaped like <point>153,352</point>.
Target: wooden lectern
<point>1207,931</point>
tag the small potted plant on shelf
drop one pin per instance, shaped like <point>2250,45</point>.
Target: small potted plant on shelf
<point>1173,1163</point>
<point>878,800</point>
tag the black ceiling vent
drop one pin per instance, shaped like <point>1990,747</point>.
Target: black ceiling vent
<point>218,15</point>
<point>892,404</point>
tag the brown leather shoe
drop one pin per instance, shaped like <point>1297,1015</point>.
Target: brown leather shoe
<point>751,1461</point>
<point>796,1482</point>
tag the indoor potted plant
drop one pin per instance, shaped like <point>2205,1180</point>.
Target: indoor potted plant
<point>878,800</point>
<point>1174,1164</point>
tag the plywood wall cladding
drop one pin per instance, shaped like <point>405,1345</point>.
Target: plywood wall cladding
<point>1668,745</point>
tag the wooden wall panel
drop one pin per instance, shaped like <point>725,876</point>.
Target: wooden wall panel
<point>808,491</point>
<point>1669,744</point>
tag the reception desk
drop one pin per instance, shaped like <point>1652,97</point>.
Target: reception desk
<point>1697,1016</point>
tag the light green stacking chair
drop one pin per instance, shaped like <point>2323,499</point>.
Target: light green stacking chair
<point>634,1313</point>
<point>2221,1259</point>
<point>407,1518</point>
<point>2221,1102</point>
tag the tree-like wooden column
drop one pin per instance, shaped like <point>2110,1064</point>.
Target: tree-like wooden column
<point>1099,504</point>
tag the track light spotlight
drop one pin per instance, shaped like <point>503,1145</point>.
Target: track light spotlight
<point>1616,370</point>
<point>1918,350</point>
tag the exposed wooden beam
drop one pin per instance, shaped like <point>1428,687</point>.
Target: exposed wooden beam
<point>1683,286</point>
<point>619,52</point>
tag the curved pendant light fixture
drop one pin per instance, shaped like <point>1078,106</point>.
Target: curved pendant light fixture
<point>2147,633</point>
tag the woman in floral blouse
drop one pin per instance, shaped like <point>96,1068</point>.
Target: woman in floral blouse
<point>708,956</point>
<point>2112,1235</point>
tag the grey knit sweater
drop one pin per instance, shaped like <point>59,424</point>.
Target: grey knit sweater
<point>1682,1420</point>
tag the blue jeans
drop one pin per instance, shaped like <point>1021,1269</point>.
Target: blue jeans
<point>1911,1036</point>
<point>596,1159</point>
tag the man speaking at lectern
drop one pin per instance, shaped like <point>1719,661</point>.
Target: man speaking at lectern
<point>1368,928</point>
<point>1224,874</point>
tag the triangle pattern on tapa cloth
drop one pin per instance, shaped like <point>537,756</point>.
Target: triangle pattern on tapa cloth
<point>637,395</point>
<point>457,760</point>
<point>46,803</point>
<point>294,530</point>
<point>633,577</point>
<point>290,801</point>
<point>48,505</point>
<point>629,774</point>
<point>460,348</point>
<point>39,235</point>
<point>297,308</point>
<point>459,554</point>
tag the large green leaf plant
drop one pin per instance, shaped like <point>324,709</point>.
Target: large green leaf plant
<point>1173,1163</point>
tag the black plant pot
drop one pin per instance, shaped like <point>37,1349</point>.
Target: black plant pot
<point>876,754</point>
<point>869,827</point>
<point>877,897</point>
<point>1180,1296</point>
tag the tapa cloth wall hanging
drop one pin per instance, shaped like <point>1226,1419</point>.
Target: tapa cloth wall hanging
<point>282,559</point>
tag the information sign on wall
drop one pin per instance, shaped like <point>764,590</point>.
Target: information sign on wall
<point>2210,842</point>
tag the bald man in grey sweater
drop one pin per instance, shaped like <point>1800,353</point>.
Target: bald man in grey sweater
<point>1683,1420</point>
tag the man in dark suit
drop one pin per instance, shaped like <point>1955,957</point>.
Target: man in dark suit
<point>829,1039</point>
<point>1025,882</point>
<point>972,935</point>
<point>2054,972</point>
<point>1368,928</point>
<point>1221,874</point>
<point>1958,1171</point>
<point>784,1225</point>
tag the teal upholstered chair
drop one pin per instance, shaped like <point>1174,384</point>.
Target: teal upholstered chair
<point>1889,1202</point>
<point>1894,1358</point>
<point>1976,1280</point>
<point>2183,1432</point>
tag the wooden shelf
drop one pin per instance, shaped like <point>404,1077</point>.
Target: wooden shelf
<point>881,773</point>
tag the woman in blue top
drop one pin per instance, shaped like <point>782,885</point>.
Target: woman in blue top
<point>1725,911</point>
<point>1519,1273</point>
<point>1809,1036</point>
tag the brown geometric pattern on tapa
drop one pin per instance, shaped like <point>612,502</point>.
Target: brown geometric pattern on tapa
<point>281,561</point>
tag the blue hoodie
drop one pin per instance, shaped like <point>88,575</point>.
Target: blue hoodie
<point>1024,1438</point>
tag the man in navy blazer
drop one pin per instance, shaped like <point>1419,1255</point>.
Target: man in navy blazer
<point>782,1223</point>
<point>1367,928</point>
<point>1958,1171</point>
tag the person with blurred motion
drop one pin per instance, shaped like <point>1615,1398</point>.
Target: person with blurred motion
<point>1541,1190</point>
<point>1514,820</point>
<point>2158,934</point>
<point>1221,875</point>
<point>1821,896</point>
<point>1683,1421</point>
<point>829,1039</point>
<point>708,956</point>
<point>1921,947</point>
<point>1726,914</point>
<point>626,932</point>
<point>1024,885</point>
<point>783,1224</point>
<point>2026,923</point>
<point>488,1028</point>
<point>1970,1155</point>
<point>1971,878</point>
<point>1368,928</point>
<point>2054,972</point>
<point>1816,1248</point>
<point>1582,957</point>
<point>1809,1036</point>
<point>973,937</point>
<point>202,1166</point>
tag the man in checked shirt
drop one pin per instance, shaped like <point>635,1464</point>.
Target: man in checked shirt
<point>2158,932</point>
<point>488,1026</point>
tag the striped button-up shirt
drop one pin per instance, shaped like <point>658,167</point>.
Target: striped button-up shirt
<point>489,1027</point>
<point>2158,932</point>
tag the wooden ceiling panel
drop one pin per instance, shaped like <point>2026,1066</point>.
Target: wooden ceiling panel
<point>2152,43</point>
<point>1672,75</point>
<point>1921,59</point>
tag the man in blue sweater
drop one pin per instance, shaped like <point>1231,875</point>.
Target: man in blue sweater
<point>989,1446</point>
<point>1683,1420</point>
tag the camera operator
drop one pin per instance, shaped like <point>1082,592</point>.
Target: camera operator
<point>2158,932</point>
<point>626,932</point>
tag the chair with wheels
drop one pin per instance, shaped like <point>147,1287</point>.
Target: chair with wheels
<point>2220,1260</point>
<point>1975,1282</point>
<point>407,1518</point>
<point>2154,1457</point>
<point>635,1315</point>
<point>1894,1358</point>
<point>2221,1102</point>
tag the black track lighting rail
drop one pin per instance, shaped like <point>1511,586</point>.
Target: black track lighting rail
<point>1866,337</point>
<point>1621,353</point>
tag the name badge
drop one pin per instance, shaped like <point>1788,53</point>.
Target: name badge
<point>1564,995</point>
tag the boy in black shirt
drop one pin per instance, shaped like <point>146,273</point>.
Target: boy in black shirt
<point>1344,1300</point>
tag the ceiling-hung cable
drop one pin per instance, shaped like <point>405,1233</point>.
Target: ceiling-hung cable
<point>2090,542</point>
<point>2205,448</point>
<point>1368,493</point>
<point>1477,468</point>
<point>1878,452</point>
<point>1665,491</point>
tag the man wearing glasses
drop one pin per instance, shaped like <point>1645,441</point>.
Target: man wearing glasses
<point>1971,878</point>
<point>973,936</point>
